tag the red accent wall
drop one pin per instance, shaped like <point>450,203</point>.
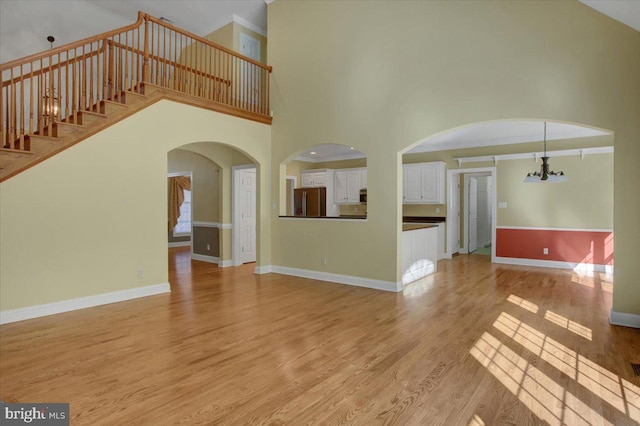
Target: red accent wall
<point>589,247</point>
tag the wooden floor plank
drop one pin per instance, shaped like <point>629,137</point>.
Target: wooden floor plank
<point>474,343</point>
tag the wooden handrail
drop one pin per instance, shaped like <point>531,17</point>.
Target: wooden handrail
<point>174,64</point>
<point>209,42</point>
<point>56,66</point>
<point>58,84</point>
<point>72,45</point>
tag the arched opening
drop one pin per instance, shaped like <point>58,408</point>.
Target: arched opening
<point>324,181</point>
<point>224,192</point>
<point>478,198</point>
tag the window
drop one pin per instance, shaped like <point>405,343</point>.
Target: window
<point>184,221</point>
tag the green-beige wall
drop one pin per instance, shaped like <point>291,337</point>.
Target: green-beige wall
<point>83,222</point>
<point>384,76</point>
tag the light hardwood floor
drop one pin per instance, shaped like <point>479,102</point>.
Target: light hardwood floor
<point>473,344</point>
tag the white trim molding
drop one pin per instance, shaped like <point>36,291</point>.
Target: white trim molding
<point>261,270</point>
<point>201,224</point>
<point>38,311</point>
<point>535,155</point>
<point>624,319</point>
<point>211,259</point>
<point>240,20</point>
<point>578,267</point>
<point>340,279</point>
<point>179,244</point>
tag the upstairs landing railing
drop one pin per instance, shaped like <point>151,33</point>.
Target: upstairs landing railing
<point>58,84</point>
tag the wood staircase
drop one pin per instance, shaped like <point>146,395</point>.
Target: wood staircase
<point>61,135</point>
<point>80,76</point>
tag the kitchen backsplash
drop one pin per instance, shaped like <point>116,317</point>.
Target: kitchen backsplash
<point>424,210</point>
<point>353,210</point>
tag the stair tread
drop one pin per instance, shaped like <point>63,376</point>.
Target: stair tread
<point>15,151</point>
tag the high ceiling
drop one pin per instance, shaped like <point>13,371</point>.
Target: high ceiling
<point>198,16</point>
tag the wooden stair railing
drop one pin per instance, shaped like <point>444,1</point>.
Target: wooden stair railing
<point>43,90</point>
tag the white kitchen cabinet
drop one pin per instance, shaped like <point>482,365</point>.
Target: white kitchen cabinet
<point>423,183</point>
<point>322,178</point>
<point>315,178</point>
<point>441,238</point>
<point>348,183</point>
<point>419,254</point>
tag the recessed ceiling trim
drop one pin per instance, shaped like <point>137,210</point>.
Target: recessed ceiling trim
<point>535,155</point>
<point>332,158</point>
<point>505,132</point>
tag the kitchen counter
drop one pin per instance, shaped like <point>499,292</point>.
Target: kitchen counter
<point>348,217</point>
<point>423,219</point>
<point>414,226</point>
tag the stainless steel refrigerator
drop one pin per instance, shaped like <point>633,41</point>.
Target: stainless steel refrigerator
<point>310,202</point>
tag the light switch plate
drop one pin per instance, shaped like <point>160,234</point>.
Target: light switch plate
<point>502,205</point>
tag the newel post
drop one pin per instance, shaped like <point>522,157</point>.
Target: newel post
<point>145,50</point>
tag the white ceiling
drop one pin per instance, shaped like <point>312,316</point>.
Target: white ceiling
<point>329,152</point>
<point>476,135</point>
<point>625,11</point>
<point>503,133</point>
<point>198,16</point>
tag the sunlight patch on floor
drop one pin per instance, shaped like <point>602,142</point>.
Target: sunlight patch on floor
<point>545,398</point>
<point>572,326</point>
<point>523,303</point>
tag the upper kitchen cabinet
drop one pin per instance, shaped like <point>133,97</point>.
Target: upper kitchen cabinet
<point>348,183</point>
<point>316,178</point>
<point>423,183</point>
<point>340,169</point>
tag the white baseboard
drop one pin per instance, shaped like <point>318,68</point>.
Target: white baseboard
<point>267,269</point>
<point>37,311</point>
<point>205,258</point>
<point>212,259</point>
<point>624,319</point>
<point>180,244</point>
<point>337,278</point>
<point>581,267</point>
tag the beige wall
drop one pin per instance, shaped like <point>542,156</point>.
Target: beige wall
<point>585,200</point>
<point>98,210</point>
<point>229,37</point>
<point>205,183</point>
<point>222,36</point>
<point>424,68</point>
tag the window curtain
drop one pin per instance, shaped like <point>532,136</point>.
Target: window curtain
<point>177,186</point>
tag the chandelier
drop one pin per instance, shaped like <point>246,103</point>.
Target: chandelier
<point>545,174</point>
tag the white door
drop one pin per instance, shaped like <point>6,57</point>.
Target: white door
<point>484,214</point>
<point>247,207</point>
<point>472,238</point>
<point>250,81</point>
<point>455,214</point>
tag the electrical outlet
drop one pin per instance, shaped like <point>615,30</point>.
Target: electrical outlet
<point>323,260</point>
<point>140,273</point>
<point>437,209</point>
<point>208,247</point>
<point>545,251</point>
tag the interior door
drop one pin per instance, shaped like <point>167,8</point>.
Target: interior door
<point>250,80</point>
<point>248,215</point>
<point>473,215</point>
<point>455,213</point>
<point>484,211</point>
